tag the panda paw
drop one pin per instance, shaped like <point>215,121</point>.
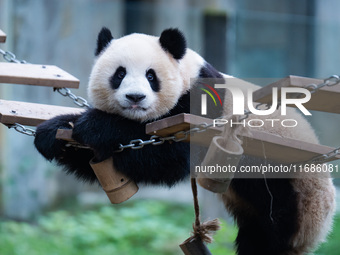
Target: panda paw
<point>45,140</point>
<point>97,130</point>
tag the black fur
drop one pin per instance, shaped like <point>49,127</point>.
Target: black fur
<point>73,160</point>
<point>153,80</point>
<point>104,38</point>
<point>207,75</point>
<point>163,164</point>
<point>208,71</point>
<point>264,229</point>
<point>173,41</point>
<point>169,163</point>
<point>117,78</point>
<point>45,140</point>
<point>258,234</point>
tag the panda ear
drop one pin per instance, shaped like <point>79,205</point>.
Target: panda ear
<point>104,38</point>
<point>173,41</point>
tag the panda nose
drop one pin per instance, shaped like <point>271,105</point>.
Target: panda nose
<point>135,97</point>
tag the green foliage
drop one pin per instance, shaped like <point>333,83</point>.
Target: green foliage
<point>224,240</point>
<point>143,228</point>
<point>332,246</point>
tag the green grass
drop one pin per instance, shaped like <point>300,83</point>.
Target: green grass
<point>332,246</point>
<point>143,228</point>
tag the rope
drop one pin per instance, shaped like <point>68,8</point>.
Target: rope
<point>196,205</point>
<point>205,230</point>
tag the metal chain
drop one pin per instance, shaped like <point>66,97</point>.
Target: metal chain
<point>246,115</point>
<point>177,137</point>
<point>10,57</point>
<point>257,107</point>
<point>22,129</point>
<point>80,101</point>
<point>134,144</point>
<point>158,140</point>
<point>330,81</point>
<point>324,157</point>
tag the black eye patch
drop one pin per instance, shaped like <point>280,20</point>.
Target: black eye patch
<point>153,80</point>
<point>116,79</point>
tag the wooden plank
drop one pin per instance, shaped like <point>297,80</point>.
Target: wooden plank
<point>2,36</point>
<point>40,75</point>
<point>65,134</point>
<point>180,122</point>
<point>259,144</point>
<point>283,150</point>
<point>326,99</point>
<point>194,246</point>
<point>166,127</point>
<point>31,114</point>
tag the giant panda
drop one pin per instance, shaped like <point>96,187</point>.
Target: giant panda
<point>139,78</point>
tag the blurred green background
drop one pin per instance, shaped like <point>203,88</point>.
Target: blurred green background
<point>142,227</point>
<point>44,211</point>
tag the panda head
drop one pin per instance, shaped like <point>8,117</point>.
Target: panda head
<point>137,76</point>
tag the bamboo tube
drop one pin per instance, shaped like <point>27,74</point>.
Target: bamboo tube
<point>117,186</point>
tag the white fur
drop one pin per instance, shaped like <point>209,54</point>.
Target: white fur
<point>315,193</point>
<point>138,53</point>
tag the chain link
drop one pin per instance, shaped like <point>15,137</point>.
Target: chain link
<point>177,137</point>
<point>324,157</point>
<point>10,57</point>
<point>158,140</point>
<point>257,107</point>
<point>246,115</point>
<point>80,101</point>
<point>22,129</point>
<point>330,81</point>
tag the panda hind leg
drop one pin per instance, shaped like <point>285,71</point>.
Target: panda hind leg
<point>265,227</point>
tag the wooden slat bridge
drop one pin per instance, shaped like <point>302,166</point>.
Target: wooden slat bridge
<point>32,114</point>
<point>274,147</point>
<point>259,143</point>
